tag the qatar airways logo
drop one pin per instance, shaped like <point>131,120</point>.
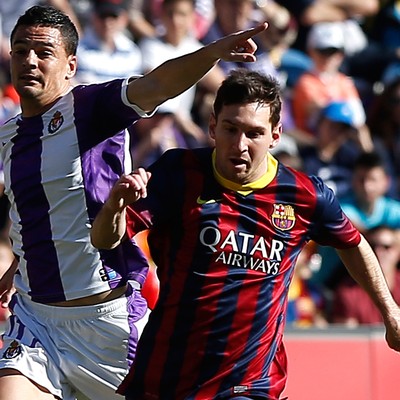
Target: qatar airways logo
<point>243,250</point>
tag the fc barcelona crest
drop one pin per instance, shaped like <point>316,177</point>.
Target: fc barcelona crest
<point>56,122</point>
<point>283,217</point>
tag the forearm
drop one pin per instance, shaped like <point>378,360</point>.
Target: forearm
<point>364,267</point>
<point>171,78</point>
<point>355,7</point>
<point>337,10</point>
<point>175,76</point>
<point>108,228</point>
<point>364,138</point>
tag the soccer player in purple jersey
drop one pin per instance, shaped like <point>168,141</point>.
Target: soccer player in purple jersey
<point>76,320</point>
<point>226,226</point>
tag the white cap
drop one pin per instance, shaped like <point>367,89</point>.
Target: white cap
<point>325,35</point>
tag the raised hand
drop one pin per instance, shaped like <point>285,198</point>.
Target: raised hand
<point>129,188</point>
<point>239,46</point>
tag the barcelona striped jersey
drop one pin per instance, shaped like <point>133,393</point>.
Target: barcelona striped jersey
<point>225,257</point>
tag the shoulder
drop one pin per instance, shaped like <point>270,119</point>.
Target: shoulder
<point>8,130</point>
<point>190,43</point>
<point>302,179</point>
<point>390,209</point>
<point>124,43</point>
<point>305,78</point>
<point>93,87</point>
<point>149,41</point>
<point>345,80</point>
<point>307,84</point>
<point>95,93</point>
<point>306,191</point>
<point>390,203</point>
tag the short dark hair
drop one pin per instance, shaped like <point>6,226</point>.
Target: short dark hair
<point>51,17</point>
<point>369,160</point>
<point>169,2</point>
<point>243,86</point>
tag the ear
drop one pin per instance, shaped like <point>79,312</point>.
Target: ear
<point>71,67</point>
<point>276,136</point>
<point>212,123</point>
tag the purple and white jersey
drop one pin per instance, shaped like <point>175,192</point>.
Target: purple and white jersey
<point>58,169</point>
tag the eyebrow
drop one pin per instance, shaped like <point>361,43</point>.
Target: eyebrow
<point>25,41</point>
<point>230,122</point>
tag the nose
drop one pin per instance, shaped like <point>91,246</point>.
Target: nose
<point>241,142</point>
<point>31,59</point>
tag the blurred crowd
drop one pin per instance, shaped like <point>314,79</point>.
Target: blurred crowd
<point>338,63</point>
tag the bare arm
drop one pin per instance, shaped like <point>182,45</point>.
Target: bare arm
<point>364,267</point>
<point>338,10</point>
<point>7,284</point>
<point>109,226</point>
<point>175,76</point>
<point>355,7</point>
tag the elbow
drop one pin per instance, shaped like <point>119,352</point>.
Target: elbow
<point>96,242</point>
<point>101,244</point>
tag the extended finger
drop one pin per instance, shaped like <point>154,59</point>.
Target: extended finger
<point>249,33</point>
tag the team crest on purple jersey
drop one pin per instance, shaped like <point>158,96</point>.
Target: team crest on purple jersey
<point>56,122</point>
<point>13,350</point>
<point>283,217</point>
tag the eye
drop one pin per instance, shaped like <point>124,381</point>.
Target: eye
<point>230,129</point>
<point>18,52</point>
<point>44,53</point>
<point>253,134</point>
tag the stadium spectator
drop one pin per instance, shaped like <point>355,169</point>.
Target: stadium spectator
<point>282,33</point>
<point>145,18</point>
<point>9,105</point>
<point>310,12</point>
<point>173,124</point>
<point>105,51</point>
<point>306,300</point>
<point>231,16</point>
<point>325,83</point>
<point>338,143</point>
<point>384,123</point>
<point>367,204</point>
<point>384,33</point>
<point>351,304</point>
<point>10,12</point>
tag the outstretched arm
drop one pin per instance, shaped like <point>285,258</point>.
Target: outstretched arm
<point>109,226</point>
<point>364,267</point>
<point>177,75</point>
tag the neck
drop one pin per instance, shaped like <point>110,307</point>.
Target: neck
<point>32,107</point>
<point>366,206</point>
<point>174,40</point>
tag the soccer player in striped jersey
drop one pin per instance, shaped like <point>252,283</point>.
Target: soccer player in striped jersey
<point>76,320</point>
<point>226,227</point>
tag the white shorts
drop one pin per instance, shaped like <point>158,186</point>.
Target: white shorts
<point>74,350</point>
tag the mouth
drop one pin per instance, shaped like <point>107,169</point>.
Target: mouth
<point>238,163</point>
<point>29,79</point>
